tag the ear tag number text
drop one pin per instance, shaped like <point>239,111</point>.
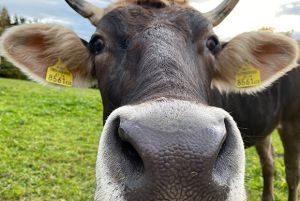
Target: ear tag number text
<point>248,76</point>
<point>59,74</point>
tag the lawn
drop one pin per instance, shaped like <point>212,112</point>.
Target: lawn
<point>49,140</point>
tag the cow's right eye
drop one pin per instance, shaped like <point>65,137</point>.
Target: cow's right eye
<point>213,44</point>
<point>96,45</point>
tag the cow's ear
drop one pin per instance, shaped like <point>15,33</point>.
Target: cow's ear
<point>252,61</point>
<point>35,47</point>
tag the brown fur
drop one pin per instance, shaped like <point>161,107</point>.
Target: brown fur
<point>124,3</point>
<point>289,133</point>
<point>171,70</point>
<point>152,3</point>
<point>56,42</point>
<point>265,151</point>
<point>259,49</point>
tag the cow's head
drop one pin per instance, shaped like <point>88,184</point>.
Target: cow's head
<point>155,63</point>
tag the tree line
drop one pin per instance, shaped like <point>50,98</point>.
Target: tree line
<point>7,70</point>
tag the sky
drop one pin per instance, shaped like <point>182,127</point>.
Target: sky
<point>248,15</point>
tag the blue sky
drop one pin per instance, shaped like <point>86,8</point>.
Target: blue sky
<point>53,11</point>
<point>284,15</point>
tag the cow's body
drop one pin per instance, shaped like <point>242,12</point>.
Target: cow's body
<point>258,115</point>
<point>154,62</point>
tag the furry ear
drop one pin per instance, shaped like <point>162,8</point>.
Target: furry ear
<point>269,56</point>
<point>35,47</point>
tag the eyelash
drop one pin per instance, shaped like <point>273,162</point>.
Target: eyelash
<point>96,45</point>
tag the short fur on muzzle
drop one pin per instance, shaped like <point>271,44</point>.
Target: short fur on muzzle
<point>168,116</point>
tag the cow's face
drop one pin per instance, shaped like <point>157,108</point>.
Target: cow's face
<point>155,64</point>
<point>142,54</point>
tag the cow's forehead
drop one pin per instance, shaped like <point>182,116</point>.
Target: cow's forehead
<point>132,19</point>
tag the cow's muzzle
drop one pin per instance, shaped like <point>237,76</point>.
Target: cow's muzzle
<point>170,151</point>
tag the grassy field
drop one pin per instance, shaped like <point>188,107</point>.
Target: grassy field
<point>49,140</point>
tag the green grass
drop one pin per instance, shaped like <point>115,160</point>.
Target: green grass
<point>253,173</point>
<point>49,140</point>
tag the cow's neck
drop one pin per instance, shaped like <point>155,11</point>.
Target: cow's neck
<point>259,114</point>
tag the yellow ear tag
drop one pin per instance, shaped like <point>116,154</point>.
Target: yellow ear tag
<point>247,76</point>
<point>59,74</point>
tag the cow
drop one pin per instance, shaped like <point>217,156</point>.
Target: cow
<point>155,62</point>
<point>257,116</point>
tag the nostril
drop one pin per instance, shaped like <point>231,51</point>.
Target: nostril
<point>130,154</point>
<point>223,143</point>
<point>222,146</point>
<point>122,134</point>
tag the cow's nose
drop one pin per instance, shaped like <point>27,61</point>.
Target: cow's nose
<point>188,153</point>
<point>155,152</point>
<point>182,157</point>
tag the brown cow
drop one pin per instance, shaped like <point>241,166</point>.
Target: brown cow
<point>155,62</point>
<point>257,116</point>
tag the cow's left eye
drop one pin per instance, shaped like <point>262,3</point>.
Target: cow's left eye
<point>213,44</point>
<point>96,45</point>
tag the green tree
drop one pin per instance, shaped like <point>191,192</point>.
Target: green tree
<point>7,70</point>
<point>4,19</point>
<point>271,29</point>
<point>15,20</point>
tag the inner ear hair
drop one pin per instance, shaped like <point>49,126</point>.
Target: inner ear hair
<point>273,54</point>
<point>35,47</point>
<point>84,42</point>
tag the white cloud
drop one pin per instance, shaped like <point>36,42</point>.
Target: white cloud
<point>52,19</point>
<point>251,15</point>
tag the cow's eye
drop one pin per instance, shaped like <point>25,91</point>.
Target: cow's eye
<point>96,45</point>
<point>213,44</point>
